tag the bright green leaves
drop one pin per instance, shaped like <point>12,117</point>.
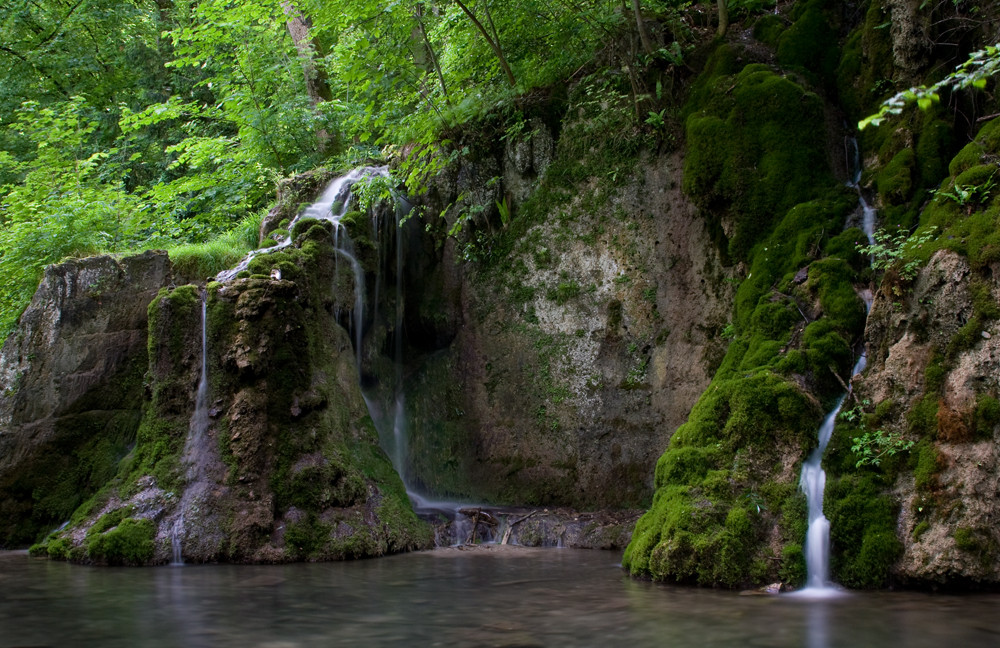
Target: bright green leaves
<point>974,72</point>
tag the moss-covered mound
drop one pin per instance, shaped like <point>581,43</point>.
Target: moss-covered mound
<point>289,466</point>
<point>727,509</point>
<point>753,148</point>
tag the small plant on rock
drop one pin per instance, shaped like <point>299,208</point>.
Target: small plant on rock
<point>872,446</point>
<point>896,249</point>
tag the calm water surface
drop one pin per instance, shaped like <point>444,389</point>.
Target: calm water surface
<point>510,597</point>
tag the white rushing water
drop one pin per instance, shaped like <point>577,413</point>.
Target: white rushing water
<point>813,483</point>
<point>331,206</point>
<point>868,212</point>
<point>813,480</point>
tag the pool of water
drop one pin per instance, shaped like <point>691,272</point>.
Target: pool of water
<point>451,597</point>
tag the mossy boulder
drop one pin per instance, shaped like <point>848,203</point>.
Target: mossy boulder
<point>284,463</point>
<point>810,43</point>
<point>752,150</point>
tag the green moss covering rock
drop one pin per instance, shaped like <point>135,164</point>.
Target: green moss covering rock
<point>727,511</point>
<point>752,149</point>
<point>288,467</point>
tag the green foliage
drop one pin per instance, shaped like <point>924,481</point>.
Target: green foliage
<point>564,292</point>
<point>974,72</point>
<point>197,261</point>
<point>872,447</point>
<point>898,250</point>
<point>972,187</point>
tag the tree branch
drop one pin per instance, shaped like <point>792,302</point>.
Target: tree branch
<point>493,45</point>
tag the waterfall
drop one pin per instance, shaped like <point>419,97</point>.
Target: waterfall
<point>868,212</point>
<point>388,408</point>
<point>813,480</point>
<point>331,206</point>
<point>812,483</point>
<point>196,445</point>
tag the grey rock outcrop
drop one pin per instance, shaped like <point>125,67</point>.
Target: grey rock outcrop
<point>72,383</point>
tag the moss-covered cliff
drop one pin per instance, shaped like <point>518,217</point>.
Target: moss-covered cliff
<point>600,308</point>
<point>288,466</point>
<point>714,521</point>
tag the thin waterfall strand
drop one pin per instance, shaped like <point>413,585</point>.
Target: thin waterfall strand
<point>330,206</point>
<point>813,479</point>
<point>195,446</point>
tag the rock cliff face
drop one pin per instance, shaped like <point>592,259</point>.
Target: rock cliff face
<point>930,395</point>
<point>72,381</point>
<point>577,358</point>
<point>947,502</point>
<point>284,464</point>
<point>594,321</point>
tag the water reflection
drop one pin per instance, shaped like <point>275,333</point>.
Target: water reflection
<point>452,598</point>
<point>817,627</point>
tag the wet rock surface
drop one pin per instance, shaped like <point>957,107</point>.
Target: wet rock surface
<point>285,463</point>
<point>533,527</point>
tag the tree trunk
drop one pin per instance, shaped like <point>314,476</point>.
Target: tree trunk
<point>495,46</point>
<point>647,42</point>
<point>419,13</point>
<point>723,18</point>
<point>298,26</point>
<point>317,85</point>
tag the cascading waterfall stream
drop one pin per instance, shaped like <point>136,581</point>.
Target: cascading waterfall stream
<point>330,206</point>
<point>868,212</point>
<point>389,415</point>
<point>813,483</point>
<point>813,480</point>
<point>196,444</point>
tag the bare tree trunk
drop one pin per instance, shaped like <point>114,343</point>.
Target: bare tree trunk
<point>647,42</point>
<point>317,85</point>
<point>495,46</point>
<point>723,18</point>
<point>298,26</point>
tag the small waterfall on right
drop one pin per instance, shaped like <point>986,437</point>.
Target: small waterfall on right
<point>813,479</point>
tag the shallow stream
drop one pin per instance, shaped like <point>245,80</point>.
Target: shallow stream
<point>452,597</point>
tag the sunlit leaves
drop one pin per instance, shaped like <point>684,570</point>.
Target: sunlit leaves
<point>974,72</point>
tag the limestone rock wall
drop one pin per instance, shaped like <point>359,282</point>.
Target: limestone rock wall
<point>557,375</point>
<point>287,467</point>
<point>71,387</point>
<point>944,398</point>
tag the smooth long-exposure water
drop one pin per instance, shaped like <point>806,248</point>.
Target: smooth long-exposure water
<point>452,597</point>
